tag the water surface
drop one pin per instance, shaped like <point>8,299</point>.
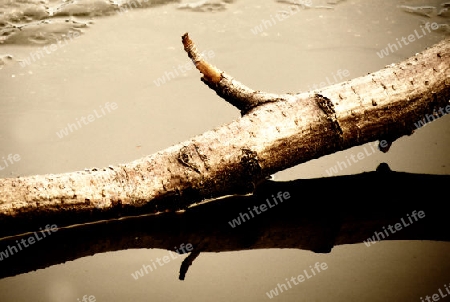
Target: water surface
<point>109,53</point>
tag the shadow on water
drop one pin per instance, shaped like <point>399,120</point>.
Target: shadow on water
<point>314,215</point>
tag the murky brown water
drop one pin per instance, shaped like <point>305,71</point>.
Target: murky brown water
<point>114,65</point>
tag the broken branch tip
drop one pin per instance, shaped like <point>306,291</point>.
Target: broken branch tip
<point>210,73</point>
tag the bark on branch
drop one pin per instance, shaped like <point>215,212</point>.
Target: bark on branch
<point>307,221</point>
<point>275,132</point>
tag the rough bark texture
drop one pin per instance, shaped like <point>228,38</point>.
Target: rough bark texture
<point>314,218</point>
<point>280,132</point>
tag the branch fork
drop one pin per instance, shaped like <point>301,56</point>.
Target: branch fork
<point>234,92</point>
<point>275,132</point>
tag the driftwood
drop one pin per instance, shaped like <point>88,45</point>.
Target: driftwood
<point>275,132</point>
<point>308,220</point>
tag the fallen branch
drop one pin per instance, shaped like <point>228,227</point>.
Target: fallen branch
<point>275,132</point>
<point>307,221</point>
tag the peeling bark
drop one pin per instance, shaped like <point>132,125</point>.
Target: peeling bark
<point>275,132</point>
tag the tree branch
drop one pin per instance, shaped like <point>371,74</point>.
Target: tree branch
<point>311,219</point>
<point>234,92</point>
<point>275,132</point>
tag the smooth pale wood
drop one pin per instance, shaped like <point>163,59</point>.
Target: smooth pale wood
<point>270,137</point>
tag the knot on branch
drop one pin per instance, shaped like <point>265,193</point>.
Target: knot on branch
<point>327,108</point>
